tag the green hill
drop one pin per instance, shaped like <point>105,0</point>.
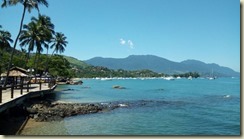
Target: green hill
<point>75,62</point>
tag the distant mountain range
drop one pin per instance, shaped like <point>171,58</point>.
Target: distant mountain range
<point>162,65</point>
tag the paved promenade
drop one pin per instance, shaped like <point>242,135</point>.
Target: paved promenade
<point>6,94</point>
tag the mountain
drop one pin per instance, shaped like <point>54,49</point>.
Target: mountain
<point>162,65</point>
<point>207,69</point>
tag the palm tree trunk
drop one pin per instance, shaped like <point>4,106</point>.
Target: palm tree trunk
<point>53,52</point>
<point>35,66</point>
<point>49,60</point>
<point>46,69</point>
<point>27,58</point>
<point>15,44</point>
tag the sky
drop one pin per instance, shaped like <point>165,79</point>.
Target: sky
<point>205,30</point>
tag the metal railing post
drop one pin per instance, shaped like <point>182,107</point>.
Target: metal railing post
<point>21,87</point>
<point>12,90</point>
<point>40,85</point>
<point>27,86</point>
<point>0,93</point>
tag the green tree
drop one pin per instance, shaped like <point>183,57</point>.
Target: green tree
<point>28,5</point>
<point>47,27</point>
<point>5,38</point>
<point>60,67</point>
<point>31,37</point>
<point>59,43</point>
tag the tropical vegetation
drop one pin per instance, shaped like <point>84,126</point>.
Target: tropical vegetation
<point>27,5</point>
<point>34,37</point>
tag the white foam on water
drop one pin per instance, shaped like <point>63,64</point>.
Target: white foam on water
<point>122,105</point>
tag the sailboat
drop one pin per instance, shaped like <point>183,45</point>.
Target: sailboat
<point>106,78</point>
<point>211,77</point>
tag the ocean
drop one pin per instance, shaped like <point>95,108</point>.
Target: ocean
<point>151,107</point>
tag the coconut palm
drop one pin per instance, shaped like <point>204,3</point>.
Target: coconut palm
<point>5,38</point>
<point>59,43</point>
<point>31,37</point>
<point>36,34</point>
<point>47,28</point>
<point>28,5</point>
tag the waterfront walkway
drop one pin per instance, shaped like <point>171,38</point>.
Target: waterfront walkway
<point>6,94</point>
<point>11,97</point>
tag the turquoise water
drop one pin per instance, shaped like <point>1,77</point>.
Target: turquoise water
<point>152,107</point>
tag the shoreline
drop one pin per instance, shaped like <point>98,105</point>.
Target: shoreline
<point>38,111</point>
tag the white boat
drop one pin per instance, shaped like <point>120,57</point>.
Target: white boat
<point>211,77</point>
<point>190,78</point>
<point>106,79</point>
<point>169,78</point>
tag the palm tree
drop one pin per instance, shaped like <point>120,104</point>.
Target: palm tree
<point>37,33</point>
<point>5,38</point>
<point>48,27</point>
<point>31,36</point>
<point>28,5</point>
<point>59,43</point>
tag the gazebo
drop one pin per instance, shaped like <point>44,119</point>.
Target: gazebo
<point>15,73</point>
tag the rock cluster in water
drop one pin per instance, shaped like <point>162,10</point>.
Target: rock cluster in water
<point>46,111</point>
<point>118,87</point>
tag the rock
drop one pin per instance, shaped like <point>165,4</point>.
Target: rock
<point>118,87</point>
<point>32,111</point>
<point>52,112</point>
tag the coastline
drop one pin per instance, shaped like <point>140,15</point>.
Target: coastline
<point>13,114</point>
<point>39,113</point>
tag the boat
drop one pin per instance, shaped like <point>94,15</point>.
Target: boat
<point>211,76</point>
<point>170,78</point>
<point>189,78</point>
<point>106,79</point>
<point>178,77</point>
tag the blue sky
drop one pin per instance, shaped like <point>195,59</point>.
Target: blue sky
<point>205,30</point>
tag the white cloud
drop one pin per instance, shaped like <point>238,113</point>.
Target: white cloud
<point>128,43</point>
<point>122,41</point>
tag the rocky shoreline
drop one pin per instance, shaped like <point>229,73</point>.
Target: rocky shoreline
<point>47,111</point>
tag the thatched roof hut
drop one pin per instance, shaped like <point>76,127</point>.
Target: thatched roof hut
<point>16,72</point>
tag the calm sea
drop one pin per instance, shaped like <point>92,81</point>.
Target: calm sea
<point>151,107</point>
